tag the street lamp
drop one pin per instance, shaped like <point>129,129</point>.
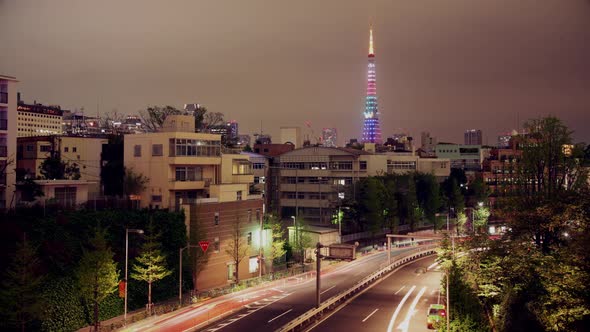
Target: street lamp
<point>127,231</point>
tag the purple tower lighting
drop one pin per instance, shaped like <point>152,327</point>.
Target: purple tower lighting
<point>371,127</point>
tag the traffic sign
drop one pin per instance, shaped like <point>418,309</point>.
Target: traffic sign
<point>204,245</point>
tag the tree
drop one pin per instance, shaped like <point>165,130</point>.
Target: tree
<point>248,148</point>
<point>277,249</point>
<point>428,193</point>
<point>22,301</point>
<point>212,119</point>
<point>302,240</point>
<point>97,273</point>
<point>480,218</point>
<point>199,114</point>
<point>134,184</point>
<point>108,120</point>
<point>153,117</point>
<point>53,168</point>
<point>237,247</point>
<point>150,265</point>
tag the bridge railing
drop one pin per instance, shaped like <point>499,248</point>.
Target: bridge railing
<point>307,317</point>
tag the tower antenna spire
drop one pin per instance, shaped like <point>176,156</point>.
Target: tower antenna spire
<point>371,51</point>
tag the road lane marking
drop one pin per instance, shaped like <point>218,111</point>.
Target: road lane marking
<point>371,314</point>
<point>284,313</point>
<point>404,286</point>
<point>406,323</point>
<point>328,289</point>
<point>397,310</point>
<point>432,266</point>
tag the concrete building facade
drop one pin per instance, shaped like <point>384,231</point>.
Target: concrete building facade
<point>8,134</point>
<point>85,152</point>
<point>466,157</point>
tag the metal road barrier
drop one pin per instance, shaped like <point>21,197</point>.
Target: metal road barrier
<point>311,315</point>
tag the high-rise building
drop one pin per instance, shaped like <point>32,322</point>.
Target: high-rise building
<point>473,137</point>
<point>291,135</point>
<point>371,126</point>
<point>8,133</point>
<point>329,137</point>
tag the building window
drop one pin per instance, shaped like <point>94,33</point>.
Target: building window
<point>137,151</point>
<point>156,198</point>
<point>216,220</point>
<point>363,165</point>
<point>66,149</point>
<point>157,150</point>
<point>249,214</point>
<point>238,195</point>
<point>188,174</point>
<point>194,147</point>
<point>216,244</point>
<point>257,214</point>
<point>45,148</point>
<point>65,196</point>
<point>258,166</point>
<point>74,149</point>
<point>256,179</point>
<point>249,238</point>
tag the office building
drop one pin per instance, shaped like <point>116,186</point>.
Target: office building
<point>38,120</point>
<point>473,137</point>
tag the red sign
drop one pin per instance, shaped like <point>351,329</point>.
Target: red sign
<point>122,285</point>
<point>204,245</point>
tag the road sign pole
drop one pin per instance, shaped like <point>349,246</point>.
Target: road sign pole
<point>318,270</point>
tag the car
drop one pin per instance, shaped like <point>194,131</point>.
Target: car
<point>436,313</point>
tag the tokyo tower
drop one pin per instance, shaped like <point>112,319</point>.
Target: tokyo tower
<point>371,126</point>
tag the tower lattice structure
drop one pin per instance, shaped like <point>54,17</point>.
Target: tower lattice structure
<point>371,126</point>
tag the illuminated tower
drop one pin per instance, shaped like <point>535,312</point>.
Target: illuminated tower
<point>371,127</point>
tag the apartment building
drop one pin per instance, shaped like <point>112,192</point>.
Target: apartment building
<point>187,170</point>
<point>183,166</point>
<point>85,152</point>
<point>8,134</point>
<point>310,182</point>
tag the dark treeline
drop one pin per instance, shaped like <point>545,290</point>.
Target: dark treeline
<point>49,257</point>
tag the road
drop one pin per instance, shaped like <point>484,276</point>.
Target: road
<point>397,303</point>
<point>266,308</point>
<point>299,298</point>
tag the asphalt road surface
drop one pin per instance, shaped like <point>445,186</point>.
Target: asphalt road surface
<point>398,303</point>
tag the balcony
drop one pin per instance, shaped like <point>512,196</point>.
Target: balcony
<point>242,178</point>
<point>187,185</point>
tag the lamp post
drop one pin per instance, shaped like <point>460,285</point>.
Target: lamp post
<point>295,240</point>
<point>180,272</point>
<point>127,231</point>
<point>320,196</point>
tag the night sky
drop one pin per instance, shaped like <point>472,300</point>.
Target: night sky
<point>442,66</point>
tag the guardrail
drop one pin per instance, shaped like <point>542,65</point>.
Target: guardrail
<point>306,318</point>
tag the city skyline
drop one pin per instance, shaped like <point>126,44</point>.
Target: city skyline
<point>434,74</point>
